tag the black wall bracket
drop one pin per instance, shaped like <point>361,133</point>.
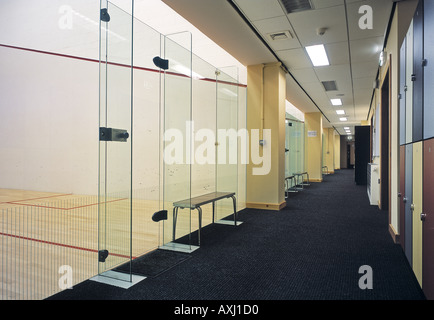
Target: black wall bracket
<point>161,63</point>
<point>110,134</point>
<point>102,255</point>
<point>104,15</point>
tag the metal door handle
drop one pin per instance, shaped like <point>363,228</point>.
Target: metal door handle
<point>412,207</point>
<point>404,199</point>
<point>422,216</point>
<point>399,194</point>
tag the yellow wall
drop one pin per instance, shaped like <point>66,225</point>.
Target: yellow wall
<point>313,143</point>
<point>337,150</point>
<point>266,109</point>
<point>329,149</point>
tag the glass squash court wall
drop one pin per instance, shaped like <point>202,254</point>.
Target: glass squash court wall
<point>115,135</point>
<point>56,170</point>
<point>294,146</point>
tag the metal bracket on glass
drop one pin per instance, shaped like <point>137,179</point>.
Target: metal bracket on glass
<point>161,63</point>
<point>104,15</point>
<point>102,255</point>
<point>110,134</point>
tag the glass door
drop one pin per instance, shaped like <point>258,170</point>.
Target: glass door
<point>115,136</point>
<point>227,99</point>
<point>176,62</point>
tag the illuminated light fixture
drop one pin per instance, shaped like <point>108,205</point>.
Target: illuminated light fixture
<point>343,119</point>
<point>346,128</point>
<point>383,58</point>
<point>340,112</point>
<point>318,55</point>
<point>336,102</point>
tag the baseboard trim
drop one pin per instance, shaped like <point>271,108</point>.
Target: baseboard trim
<point>266,206</point>
<point>393,234</point>
<point>315,180</point>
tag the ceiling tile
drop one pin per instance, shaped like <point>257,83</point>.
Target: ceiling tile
<point>365,69</point>
<point>365,50</point>
<point>260,9</point>
<point>338,53</point>
<point>306,24</point>
<point>295,59</point>
<point>304,75</point>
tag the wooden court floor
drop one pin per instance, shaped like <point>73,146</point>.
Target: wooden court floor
<point>41,232</point>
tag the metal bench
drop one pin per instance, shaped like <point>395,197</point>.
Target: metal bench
<point>290,185</point>
<point>197,202</point>
<point>300,176</point>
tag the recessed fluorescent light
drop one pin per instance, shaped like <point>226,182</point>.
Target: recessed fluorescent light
<point>336,102</point>
<point>318,55</point>
<point>340,112</point>
<point>343,119</point>
<point>346,128</point>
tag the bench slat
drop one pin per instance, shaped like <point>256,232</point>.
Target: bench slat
<point>195,202</point>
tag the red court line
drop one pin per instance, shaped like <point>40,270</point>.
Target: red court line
<point>116,64</point>
<point>58,195</point>
<point>61,245</point>
<point>65,209</point>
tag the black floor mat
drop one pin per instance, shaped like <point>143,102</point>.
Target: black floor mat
<point>154,263</point>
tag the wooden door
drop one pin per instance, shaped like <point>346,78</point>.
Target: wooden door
<point>416,209</point>
<point>408,195</point>
<point>428,220</point>
<point>401,196</point>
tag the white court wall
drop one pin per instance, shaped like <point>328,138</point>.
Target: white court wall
<point>49,105</point>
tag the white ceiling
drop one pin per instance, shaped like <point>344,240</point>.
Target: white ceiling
<point>353,52</point>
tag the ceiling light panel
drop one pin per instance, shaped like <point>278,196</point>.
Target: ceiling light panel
<point>336,102</point>
<point>340,112</point>
<point>318,55</point>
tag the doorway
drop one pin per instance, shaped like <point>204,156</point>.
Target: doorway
<point>384,129</point>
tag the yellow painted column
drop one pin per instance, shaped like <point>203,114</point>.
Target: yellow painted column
<point>266,97</point>
<point>329,149</point>
<point>417,209</point>
<point>313,145</point>
<point>337,146</point>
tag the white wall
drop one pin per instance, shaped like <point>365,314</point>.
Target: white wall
<point>49,106</point>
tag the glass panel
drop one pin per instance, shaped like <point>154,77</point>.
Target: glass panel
<point>114,210</point>
<point>147,140</point>
<point>294,146</point>
<point>178,140</point>
<point>204,118</point>
<point>227,102</point>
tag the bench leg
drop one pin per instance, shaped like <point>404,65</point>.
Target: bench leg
<point>199,211</point>
<point>235,209</point>
<point>175,216</point>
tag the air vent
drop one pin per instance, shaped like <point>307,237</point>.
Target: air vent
<point>292,6</point>
<point>329,85</point>
<point>281,35</point>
